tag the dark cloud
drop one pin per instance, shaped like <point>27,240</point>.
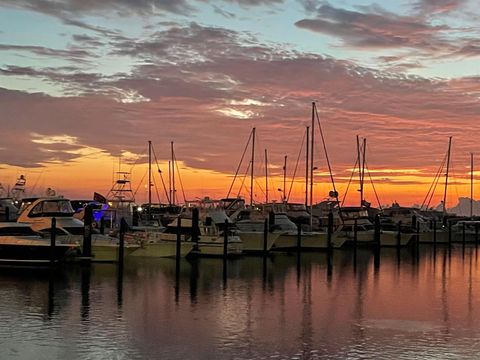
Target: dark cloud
<point>122,7</point>
<point>378,29</point>
<point>69,54</point>
<point>68,8</point>
<point>438,6</point>
<point>255,2</point>
<point>224,13</point>
<point>86,40</point>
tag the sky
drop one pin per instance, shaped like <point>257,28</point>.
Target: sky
<point>85,84</point>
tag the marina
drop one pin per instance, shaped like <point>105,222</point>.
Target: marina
<point>239,179</point>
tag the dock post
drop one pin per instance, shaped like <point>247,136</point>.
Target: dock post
<point>87,232</point>
<point>53,236</point>
<point>299,248</point>
<point>225,253</point>
<point>376,234</point>
<point>265,237</point>
<point>399,234</point>
<point>377,242</point>
<point>7,214</point>
<point>414,231</point>
<point>299,237</point>
<point>476,234</point>
<point>135,216</point>
<point>329,232</point>
<point>195,226</point>
<point>121,244</point>
<point>225,240</point>
<point>434,234</point>
<point>355,234</point>
<point>178,247</point>
<point>463,235</point>
<point>102,225</point>
<point>449,233</point>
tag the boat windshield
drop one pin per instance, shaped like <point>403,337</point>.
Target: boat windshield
<point>52,208</point>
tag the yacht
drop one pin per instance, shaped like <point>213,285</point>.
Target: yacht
<point>39,214</point>
<point>20,244</point>
<point>366,230</point>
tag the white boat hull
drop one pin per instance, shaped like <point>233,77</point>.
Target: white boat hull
<point>253,241</point>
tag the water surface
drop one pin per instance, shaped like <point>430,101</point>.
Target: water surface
<point>399,306</point>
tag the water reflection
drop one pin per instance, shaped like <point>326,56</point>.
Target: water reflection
<point>413,303</point>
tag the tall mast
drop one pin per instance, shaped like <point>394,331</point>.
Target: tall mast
<point>446,176</point>
<point>169,183</point>
<point>174,195</point>
<point>363,168</point>
<point>311,162</point>
<point>149,177</point>
<point>285,179</point>
<point>251,170</point>
<point>471,185</point>
<point>306,165</point>
<point>359,161</point>
<point>266,177</point>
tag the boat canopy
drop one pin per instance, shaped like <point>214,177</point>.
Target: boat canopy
<point>52,207</point>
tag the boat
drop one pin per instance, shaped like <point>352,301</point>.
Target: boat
<point>472,231</point>
<point>211,240</point>
<point>250,225</point>
<point>19,244</point>
<point>155,242</point>
<point>366,230</point>
<point>39,215</point>
<point>8,209</point>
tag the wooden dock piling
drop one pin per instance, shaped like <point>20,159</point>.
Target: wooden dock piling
<point>102,225</point>
<point>87,232</point>
<point>121,244</point>
<point>329,232</point>
<point>265,237</point>
<point>399,235</point>
<point>53,240</point>
<point>178,247</point>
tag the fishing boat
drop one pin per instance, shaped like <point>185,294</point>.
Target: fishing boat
<point>39,215</point>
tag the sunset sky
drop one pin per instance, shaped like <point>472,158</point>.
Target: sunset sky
<point>83,82</point>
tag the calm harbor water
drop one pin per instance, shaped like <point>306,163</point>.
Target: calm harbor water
<point>405,306</point>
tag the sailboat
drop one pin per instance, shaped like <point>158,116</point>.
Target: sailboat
<point>153,240</point>
<point>440,234</point>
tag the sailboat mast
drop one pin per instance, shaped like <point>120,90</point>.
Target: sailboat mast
<point>359,161</point>
<point>363,169</point>
<point>312,138</point>
<point>306,165</point>
<point>149,178</point>
<point>285,179</point>
<point>174,195</point>
<point>446,176</point>
<point>471,185</point>
<point>251,170</point>
<point>169,183</point>
<point>266,177</point>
